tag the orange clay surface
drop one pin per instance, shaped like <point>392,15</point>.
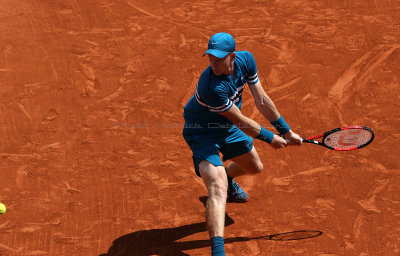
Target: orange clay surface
<point>92,161</point>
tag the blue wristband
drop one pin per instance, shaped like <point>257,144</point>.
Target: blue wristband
<point>281,126</point>
<point>265,135</point>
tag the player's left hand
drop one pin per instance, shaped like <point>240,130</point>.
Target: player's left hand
<point>293,138</point>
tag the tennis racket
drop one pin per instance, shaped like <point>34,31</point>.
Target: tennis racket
<point>344,138</point>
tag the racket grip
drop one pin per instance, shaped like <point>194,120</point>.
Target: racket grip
<point>310,141</point>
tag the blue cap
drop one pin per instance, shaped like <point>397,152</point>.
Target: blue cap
<point>220,45</point>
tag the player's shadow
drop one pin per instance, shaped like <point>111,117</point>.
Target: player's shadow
<point>161,242</point>
<point>164,242</point>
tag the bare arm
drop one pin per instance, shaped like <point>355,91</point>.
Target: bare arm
<point>267,108</point>
<point>264,103</point>
<point>249,126</point>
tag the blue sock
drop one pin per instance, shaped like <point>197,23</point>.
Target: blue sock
<point>229,177</point>
<point>217,246</point>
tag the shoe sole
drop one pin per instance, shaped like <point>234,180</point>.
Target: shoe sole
<point>229,200</point>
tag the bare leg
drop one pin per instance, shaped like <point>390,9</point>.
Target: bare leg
<point>215,180</point>
<point>248,163</point>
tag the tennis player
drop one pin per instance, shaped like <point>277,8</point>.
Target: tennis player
<point>214,124</point>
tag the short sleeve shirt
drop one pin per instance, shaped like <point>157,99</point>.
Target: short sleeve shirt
<point>216,94</point>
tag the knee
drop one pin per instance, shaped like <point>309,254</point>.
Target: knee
<point>217,191</point>
<point>257,168</point>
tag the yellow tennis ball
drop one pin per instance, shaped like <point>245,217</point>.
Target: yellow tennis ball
<point>2,208</point>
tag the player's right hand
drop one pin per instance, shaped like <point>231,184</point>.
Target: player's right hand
<point>278,142</point>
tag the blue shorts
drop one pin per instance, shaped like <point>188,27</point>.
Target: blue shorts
<point>206,144</point>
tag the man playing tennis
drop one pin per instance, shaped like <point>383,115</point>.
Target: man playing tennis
<point>214,124</point>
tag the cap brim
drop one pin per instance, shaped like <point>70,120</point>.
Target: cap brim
<point>217,53</point>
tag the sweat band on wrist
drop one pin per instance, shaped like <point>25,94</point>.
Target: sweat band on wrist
<point>265,135</point>
<point>281,126</point>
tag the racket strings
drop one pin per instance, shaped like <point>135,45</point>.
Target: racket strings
<point>348,138</point>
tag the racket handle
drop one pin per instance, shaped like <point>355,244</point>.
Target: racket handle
<point>310,141</point>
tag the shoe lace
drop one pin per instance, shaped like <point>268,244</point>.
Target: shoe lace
<point>235,186</point>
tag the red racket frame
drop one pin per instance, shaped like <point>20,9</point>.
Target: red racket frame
<point>324,135</point>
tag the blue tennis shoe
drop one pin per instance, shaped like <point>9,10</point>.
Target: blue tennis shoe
<point>236,193</point>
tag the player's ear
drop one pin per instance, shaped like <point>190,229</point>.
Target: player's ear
<point>233,56</point>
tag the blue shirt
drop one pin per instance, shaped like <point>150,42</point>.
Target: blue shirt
<point>216,94</point>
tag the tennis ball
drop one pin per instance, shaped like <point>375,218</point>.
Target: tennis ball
<point>2,208</point>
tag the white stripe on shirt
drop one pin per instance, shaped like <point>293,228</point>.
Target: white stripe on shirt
<point>253,79</point>
<point>224,107</point>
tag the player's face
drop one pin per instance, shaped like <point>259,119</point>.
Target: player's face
<point>222,65</point>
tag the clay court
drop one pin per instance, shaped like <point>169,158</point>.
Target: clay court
<point>92,157</point>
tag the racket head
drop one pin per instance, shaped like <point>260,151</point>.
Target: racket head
<point>348,138</point>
